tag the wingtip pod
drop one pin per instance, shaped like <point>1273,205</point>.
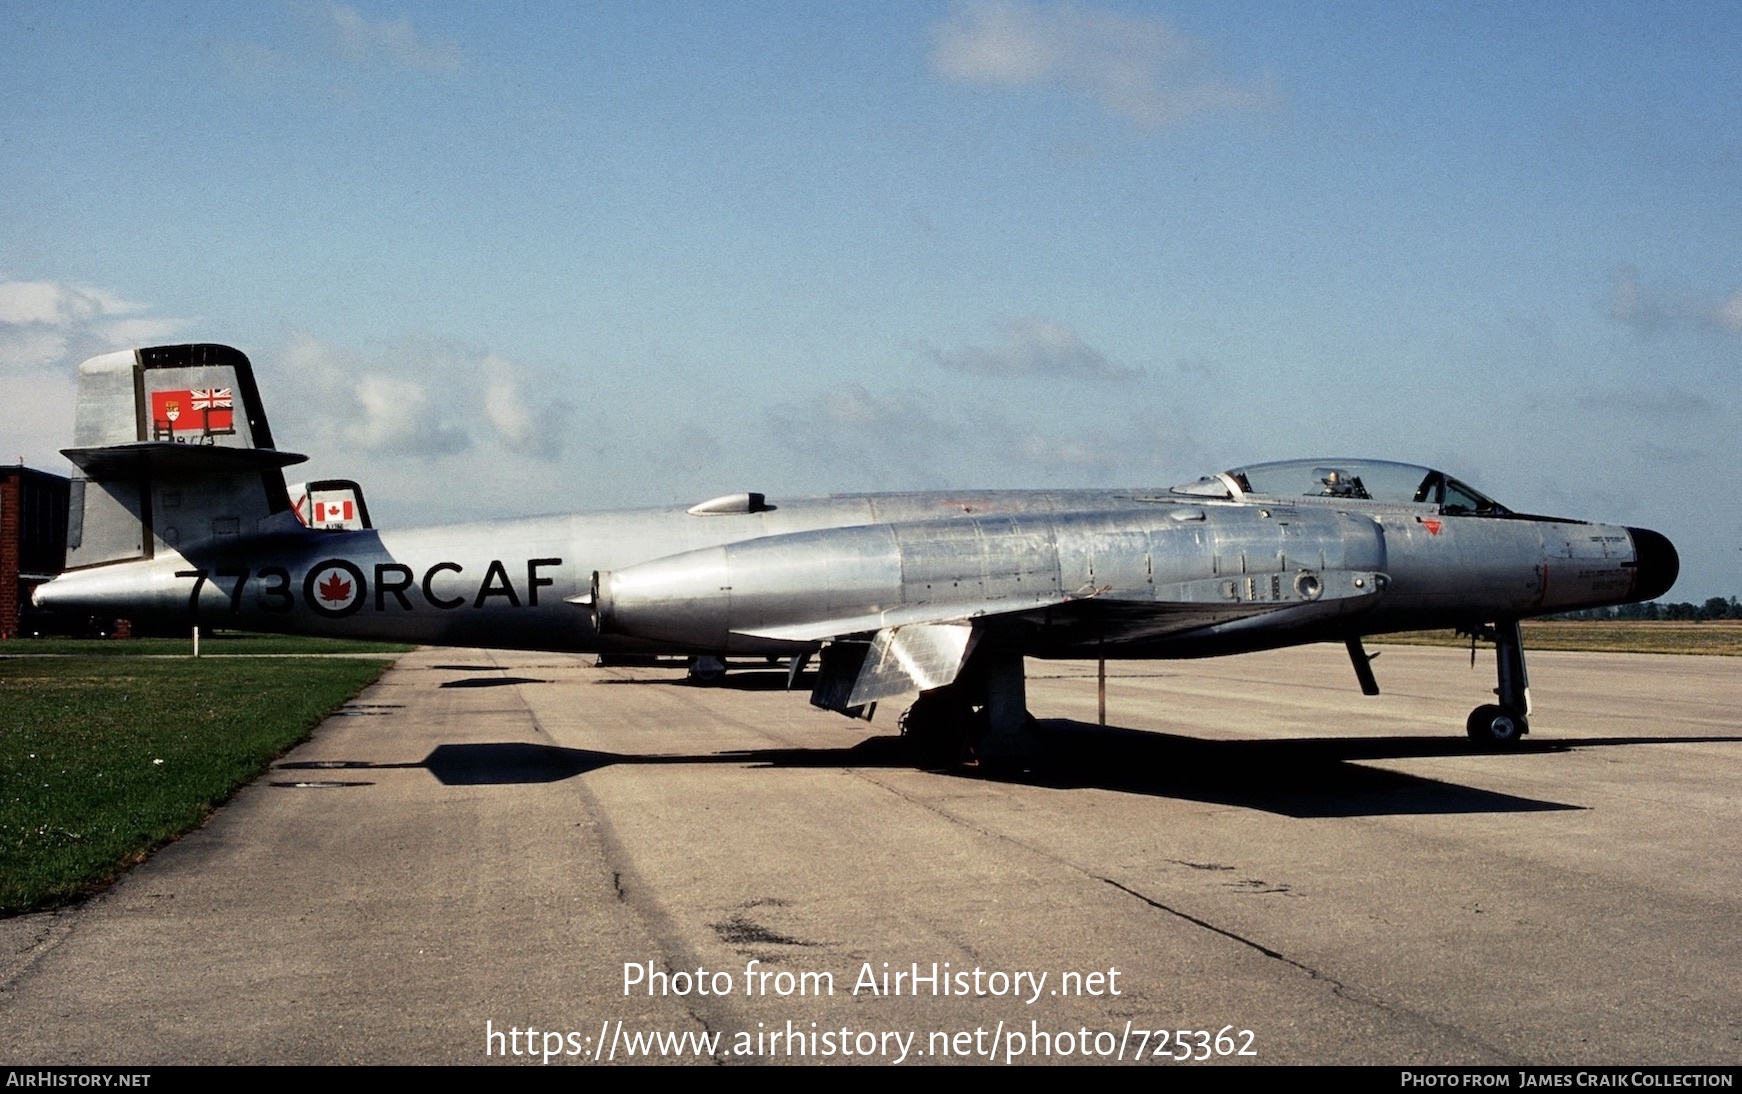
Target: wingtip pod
<point>1656,565</point>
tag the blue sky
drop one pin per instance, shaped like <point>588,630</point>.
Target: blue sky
<point>495,261</point>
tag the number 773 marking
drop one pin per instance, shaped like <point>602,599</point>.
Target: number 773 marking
<point>202,576</point>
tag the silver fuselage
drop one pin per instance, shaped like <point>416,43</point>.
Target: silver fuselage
<point>669,580</point>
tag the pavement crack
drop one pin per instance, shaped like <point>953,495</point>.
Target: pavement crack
<point>1199,865</point>
<point>27,939</point>
<point>740,930</point>
<point>1235,936</point>
<point>1337,987</point>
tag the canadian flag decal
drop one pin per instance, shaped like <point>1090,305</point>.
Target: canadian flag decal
<point>332,510</point>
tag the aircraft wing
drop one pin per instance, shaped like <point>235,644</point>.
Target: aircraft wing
<point>920,647</point>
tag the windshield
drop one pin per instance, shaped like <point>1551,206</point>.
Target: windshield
<point>1356,480</point>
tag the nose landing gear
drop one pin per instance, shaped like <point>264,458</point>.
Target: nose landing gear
<point>1503,725</point>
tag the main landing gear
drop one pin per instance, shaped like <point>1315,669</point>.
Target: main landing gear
<point>979,718</point>
<point>1504,724</point>
<point>706,670</point>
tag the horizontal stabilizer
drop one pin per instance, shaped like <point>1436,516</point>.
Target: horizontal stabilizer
<point>171,459</point>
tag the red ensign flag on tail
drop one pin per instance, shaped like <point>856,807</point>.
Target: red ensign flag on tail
<point>205,410</point>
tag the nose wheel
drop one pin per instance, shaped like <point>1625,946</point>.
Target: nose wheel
<point>1493,726</point>
<point>1504,724</point>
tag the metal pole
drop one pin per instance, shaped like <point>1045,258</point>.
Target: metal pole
<point>1101,689</point>
<point>196,639</point>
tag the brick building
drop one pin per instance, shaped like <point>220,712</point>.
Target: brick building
<point>33,540</point>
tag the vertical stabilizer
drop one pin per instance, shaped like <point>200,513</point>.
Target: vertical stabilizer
<point>173,450</point>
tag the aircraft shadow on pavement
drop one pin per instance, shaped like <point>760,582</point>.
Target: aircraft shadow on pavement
<point>736,680</point>
<point>1313,777</point>
<point>1304,778</point>
<point>490,682</point>
<point>1316,777</point>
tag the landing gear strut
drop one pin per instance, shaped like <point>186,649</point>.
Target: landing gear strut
<point>1504,725</point>
<point>981,716</point>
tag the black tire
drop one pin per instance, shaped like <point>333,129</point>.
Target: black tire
<point>938,731</point>
<point>706,671</point>
<point>1496,727</point>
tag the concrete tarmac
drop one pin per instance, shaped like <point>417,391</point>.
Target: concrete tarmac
<point>487,843</point>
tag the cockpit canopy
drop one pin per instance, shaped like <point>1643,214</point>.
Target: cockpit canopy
<point>1377,481</point>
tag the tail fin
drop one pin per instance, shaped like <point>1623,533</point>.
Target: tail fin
<point>173,450</point>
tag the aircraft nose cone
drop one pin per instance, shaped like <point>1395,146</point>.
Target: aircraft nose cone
<point>1656,564</point>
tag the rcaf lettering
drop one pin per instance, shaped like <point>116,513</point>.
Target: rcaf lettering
<point>534,582</point>
<point>337,587</point>
<point>429,583</point>
<point>496,583</point>
<point>395,578</point>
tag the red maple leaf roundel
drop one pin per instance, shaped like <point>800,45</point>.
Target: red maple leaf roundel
<point>335,591</point>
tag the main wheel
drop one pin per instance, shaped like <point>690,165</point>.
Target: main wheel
<point>706,670</point>
<point>939,731</point>
<point>1493,726</point>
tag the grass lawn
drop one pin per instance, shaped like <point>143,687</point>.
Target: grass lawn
<point>221,643</point>
<point>104,757</point>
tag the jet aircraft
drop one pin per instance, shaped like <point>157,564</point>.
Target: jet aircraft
<point>181,511</point>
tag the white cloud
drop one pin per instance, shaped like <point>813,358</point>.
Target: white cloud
<point>535,430</point>
<point>1658,307</point>
<point>365,41</point>
<point>46,329</point>
<point>1037,348</point>
<point>415,400</point>
<point>1729,314</point>
<point>1649,402</point>
<point>858,438</point>
<point>398,417</point>
<point>1136,66</point>
<point>142,331</point>
<point>50,324</point>
<point>853,438</point>
<point>54,303</point>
